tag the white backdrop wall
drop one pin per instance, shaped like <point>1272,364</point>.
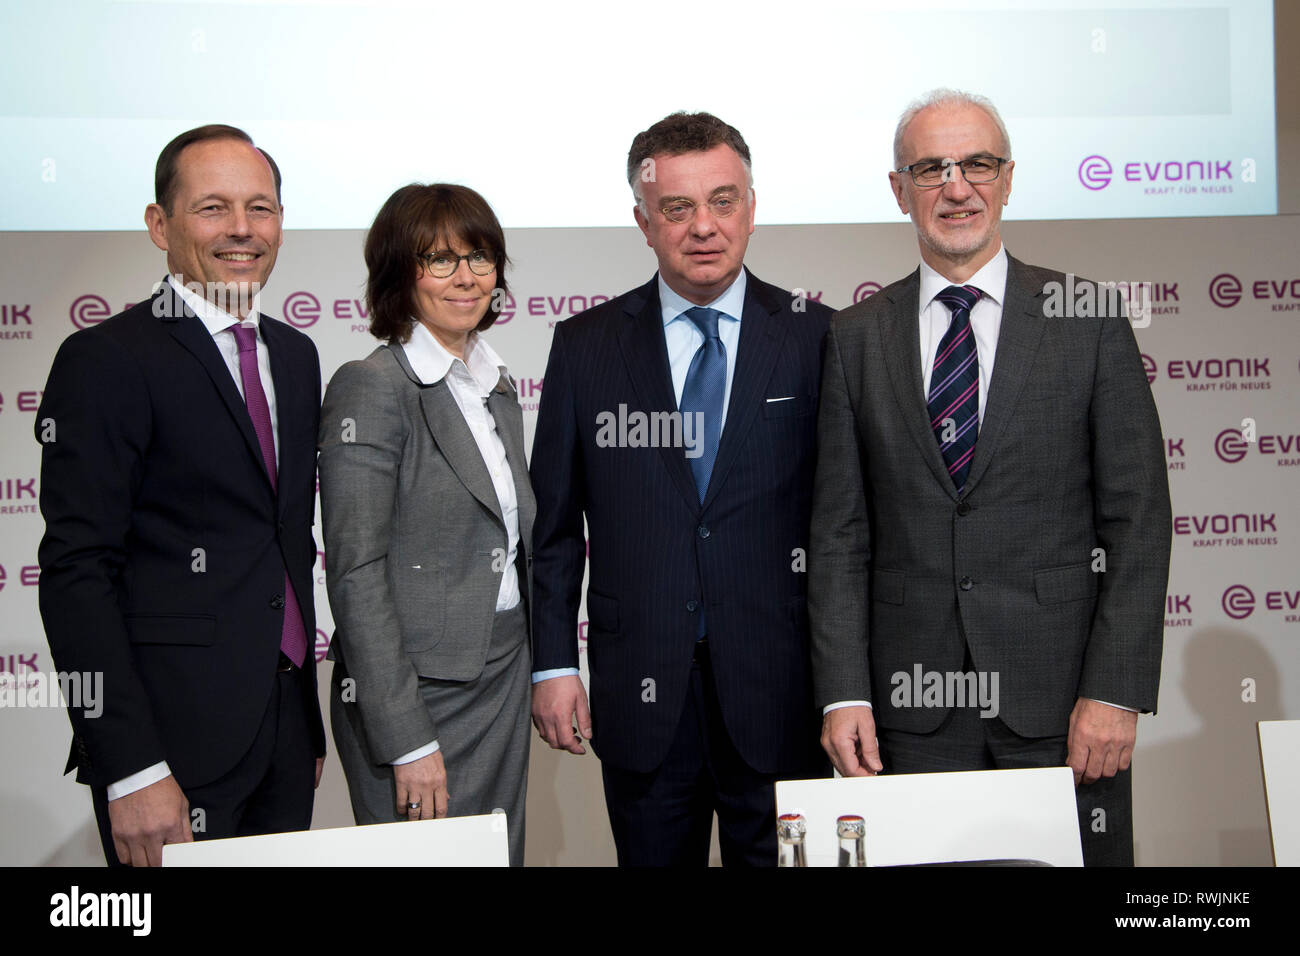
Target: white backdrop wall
<point>1223,346</point>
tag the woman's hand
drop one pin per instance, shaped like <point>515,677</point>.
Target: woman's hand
<point>422,782</point>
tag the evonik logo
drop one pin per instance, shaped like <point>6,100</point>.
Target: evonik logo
<point>1232,445</point>
<point>1239,602</point>
<point>1283,293</point>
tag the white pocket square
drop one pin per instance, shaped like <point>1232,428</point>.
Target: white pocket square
<point>784,398</point>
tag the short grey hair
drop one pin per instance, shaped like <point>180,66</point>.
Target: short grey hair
<point>947,98</point>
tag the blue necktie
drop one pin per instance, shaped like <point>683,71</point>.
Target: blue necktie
<point>954,396</point>
<point>706,383</point>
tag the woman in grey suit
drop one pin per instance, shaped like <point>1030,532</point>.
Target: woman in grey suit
<point>427,515</point>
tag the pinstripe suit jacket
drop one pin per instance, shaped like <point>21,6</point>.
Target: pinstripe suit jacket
<point>657,554</point>
<point>1069,459</point>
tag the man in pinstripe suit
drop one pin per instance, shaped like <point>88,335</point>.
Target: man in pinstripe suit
<point>697,643</point>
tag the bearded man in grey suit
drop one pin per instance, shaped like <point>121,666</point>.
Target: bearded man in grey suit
<point>1012,526</point>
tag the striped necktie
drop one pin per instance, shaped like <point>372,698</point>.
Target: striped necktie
<point>954,396</point>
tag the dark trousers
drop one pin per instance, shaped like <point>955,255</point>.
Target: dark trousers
<point>967,741</point>
<point>270,790</point>
<point>665,817</point>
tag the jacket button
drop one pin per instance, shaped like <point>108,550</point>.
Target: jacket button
<point>963,508</point>
<point>692,606</point>
<point>277,602</point>
<point>966,583</point>
<point>703,531</point>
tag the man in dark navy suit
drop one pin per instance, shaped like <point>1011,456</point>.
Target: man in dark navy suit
<point>679,421</point>
<point>178,488</point>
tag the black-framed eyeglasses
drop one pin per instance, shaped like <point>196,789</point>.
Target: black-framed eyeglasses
<point>929,173</point>
<point>442,264</point>
<point>683,210</point>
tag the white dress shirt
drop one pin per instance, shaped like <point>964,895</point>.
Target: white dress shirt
<point>471,380</point>
<point>220,325</point>
<point>683,339</point>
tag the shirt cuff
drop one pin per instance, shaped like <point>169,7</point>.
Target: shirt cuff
<point>414,755</point>
<point>539,676</point>
<point>845,703</point>
<point>139,780</point>
<point>1131,710</point>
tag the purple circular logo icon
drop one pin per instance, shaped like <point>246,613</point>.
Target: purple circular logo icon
<point>88,310</point>
<point>1225,290</point>
<point>322,645</point>
<point>865,290</point>
<point>1238,602</point>
<point>301,309</point>
<point>1149,366</point>
<point>1230,446</point>
<point>1095,172</point>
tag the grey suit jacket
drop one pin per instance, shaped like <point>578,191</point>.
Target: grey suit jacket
<point>414,538</point>
<point>1069,459</point>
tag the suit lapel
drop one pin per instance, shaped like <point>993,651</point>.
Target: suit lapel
<point>902,342</point>
<point>195,338</point>
<point>288,409</point>
<point>1018,341</point>
<point>645,353</point>
<point>452,436</point>
<point>761,337</point>
<point>503,403</point>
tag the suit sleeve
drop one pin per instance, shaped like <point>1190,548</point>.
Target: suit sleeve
<point>94,425</point>
<point>559,544</point>
<point>361,447</point>
<point>1134,527</point>
<point>839,553</point>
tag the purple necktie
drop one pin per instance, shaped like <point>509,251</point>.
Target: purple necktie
<point>954,399</point>
<point>293,637</point>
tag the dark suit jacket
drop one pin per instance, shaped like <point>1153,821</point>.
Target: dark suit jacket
<point>165,548</point>
<point>1069,459</point>
<point>414,539</point>
<point>658,554</point>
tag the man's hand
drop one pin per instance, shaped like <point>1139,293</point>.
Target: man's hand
<point>422,781</point>
<point>557,704</point>
<point>320,765</point>
<point>1100,742</point>
<point>143,821</point>
<point>849,738</point>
